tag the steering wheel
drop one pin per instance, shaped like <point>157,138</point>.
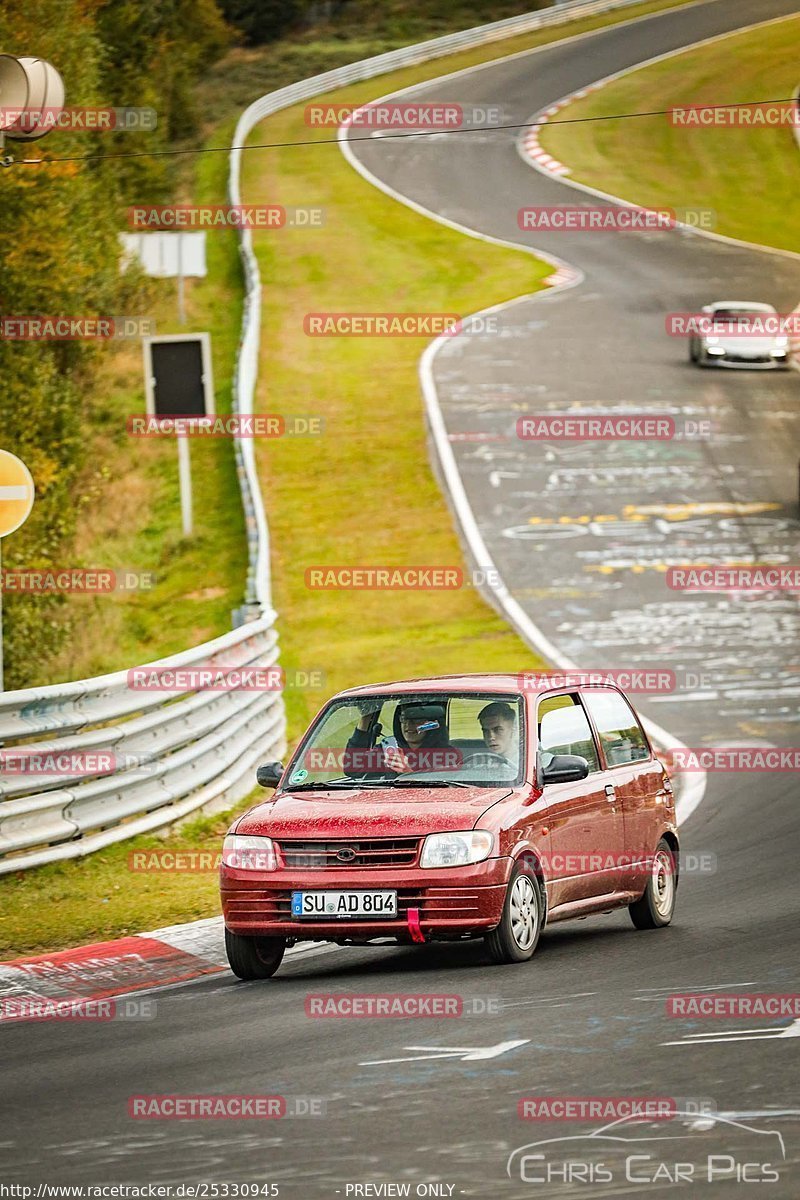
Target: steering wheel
<point>482,756</point>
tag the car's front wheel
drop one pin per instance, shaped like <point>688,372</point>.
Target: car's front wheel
<point>656,905</point>
<point>254,957</point>
<point>514,940</point>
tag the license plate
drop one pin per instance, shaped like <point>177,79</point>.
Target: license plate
<point>332,906</point>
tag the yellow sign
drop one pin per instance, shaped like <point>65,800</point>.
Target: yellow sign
<point>16,493</point>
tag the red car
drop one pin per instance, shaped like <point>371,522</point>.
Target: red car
<point>457,807</point>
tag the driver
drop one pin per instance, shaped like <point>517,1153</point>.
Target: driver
<point>498,723</point>
<point>418,729</point>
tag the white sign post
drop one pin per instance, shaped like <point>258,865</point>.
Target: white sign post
<point>16,501</point>
<point>167,255</point>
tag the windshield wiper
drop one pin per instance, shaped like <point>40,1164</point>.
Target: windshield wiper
<point>389,781</point>
<point>321,787</point>
<point>400,781</point>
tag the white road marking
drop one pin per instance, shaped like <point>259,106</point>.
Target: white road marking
<point>465,1053</point>
<point>696,987</point>
<point>738,1035</point>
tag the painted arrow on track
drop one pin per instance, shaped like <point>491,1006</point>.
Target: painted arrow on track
<point>738,1035</point>
<point>465,1053</point>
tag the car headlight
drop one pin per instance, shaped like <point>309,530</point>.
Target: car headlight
<point>249,853</point>
<point>711,340</point>
<point>781,342</point>
<point>456,849</point>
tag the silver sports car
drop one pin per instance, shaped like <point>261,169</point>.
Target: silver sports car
<point>739,333</point>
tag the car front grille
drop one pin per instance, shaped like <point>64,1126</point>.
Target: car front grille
<point>435,905</point>
<point>344,853</point>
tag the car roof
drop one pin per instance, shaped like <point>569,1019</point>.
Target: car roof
<point>529,681</point>
<point>750,305</point>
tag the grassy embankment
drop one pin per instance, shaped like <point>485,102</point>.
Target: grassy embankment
<point>750,177</point>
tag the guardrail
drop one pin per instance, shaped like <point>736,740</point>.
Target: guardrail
<point>158,756</point>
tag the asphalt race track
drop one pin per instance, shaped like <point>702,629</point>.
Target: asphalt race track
<point>588,1014</point>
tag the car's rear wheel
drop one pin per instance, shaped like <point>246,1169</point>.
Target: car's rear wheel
<point>254,957</point>
<point>514,940</point>
<point>656,905</point>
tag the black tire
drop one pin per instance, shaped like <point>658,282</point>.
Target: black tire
<point>655,907</point>
<point>254,957</point>
<point>693,352</point>
<point>510,942</point>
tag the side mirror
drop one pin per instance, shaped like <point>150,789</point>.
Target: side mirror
<point>565,768</point>
<point>269,775</point>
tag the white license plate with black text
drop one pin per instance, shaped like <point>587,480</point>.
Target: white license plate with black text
<point>327,906</point>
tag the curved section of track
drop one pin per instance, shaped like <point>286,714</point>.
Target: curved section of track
<point>587,1017</point>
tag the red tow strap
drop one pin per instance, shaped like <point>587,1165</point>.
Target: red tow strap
<point>414,927</point>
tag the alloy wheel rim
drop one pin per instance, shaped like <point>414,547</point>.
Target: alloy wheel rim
<point>524,912</point>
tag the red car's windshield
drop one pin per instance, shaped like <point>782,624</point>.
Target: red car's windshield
<point>425,739</point>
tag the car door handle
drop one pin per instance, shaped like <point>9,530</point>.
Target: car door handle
<point>610,792</point>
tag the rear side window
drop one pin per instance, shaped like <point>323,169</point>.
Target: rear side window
<point>564,729</point>
<point>620,732</point>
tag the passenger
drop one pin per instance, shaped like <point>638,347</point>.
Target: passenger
<point>498,723</point>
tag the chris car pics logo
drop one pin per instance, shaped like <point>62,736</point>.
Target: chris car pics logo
<point>633,1151</point>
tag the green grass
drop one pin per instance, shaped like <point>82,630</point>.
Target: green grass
<point>363,493</point>
<point>749,177</point>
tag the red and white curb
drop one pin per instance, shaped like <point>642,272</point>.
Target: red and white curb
<point>143,962</point>
<point>175,954</point>
<point>529,144</point>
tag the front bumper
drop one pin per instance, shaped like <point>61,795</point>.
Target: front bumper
<point>452,903</point>
<point>742,363</point>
